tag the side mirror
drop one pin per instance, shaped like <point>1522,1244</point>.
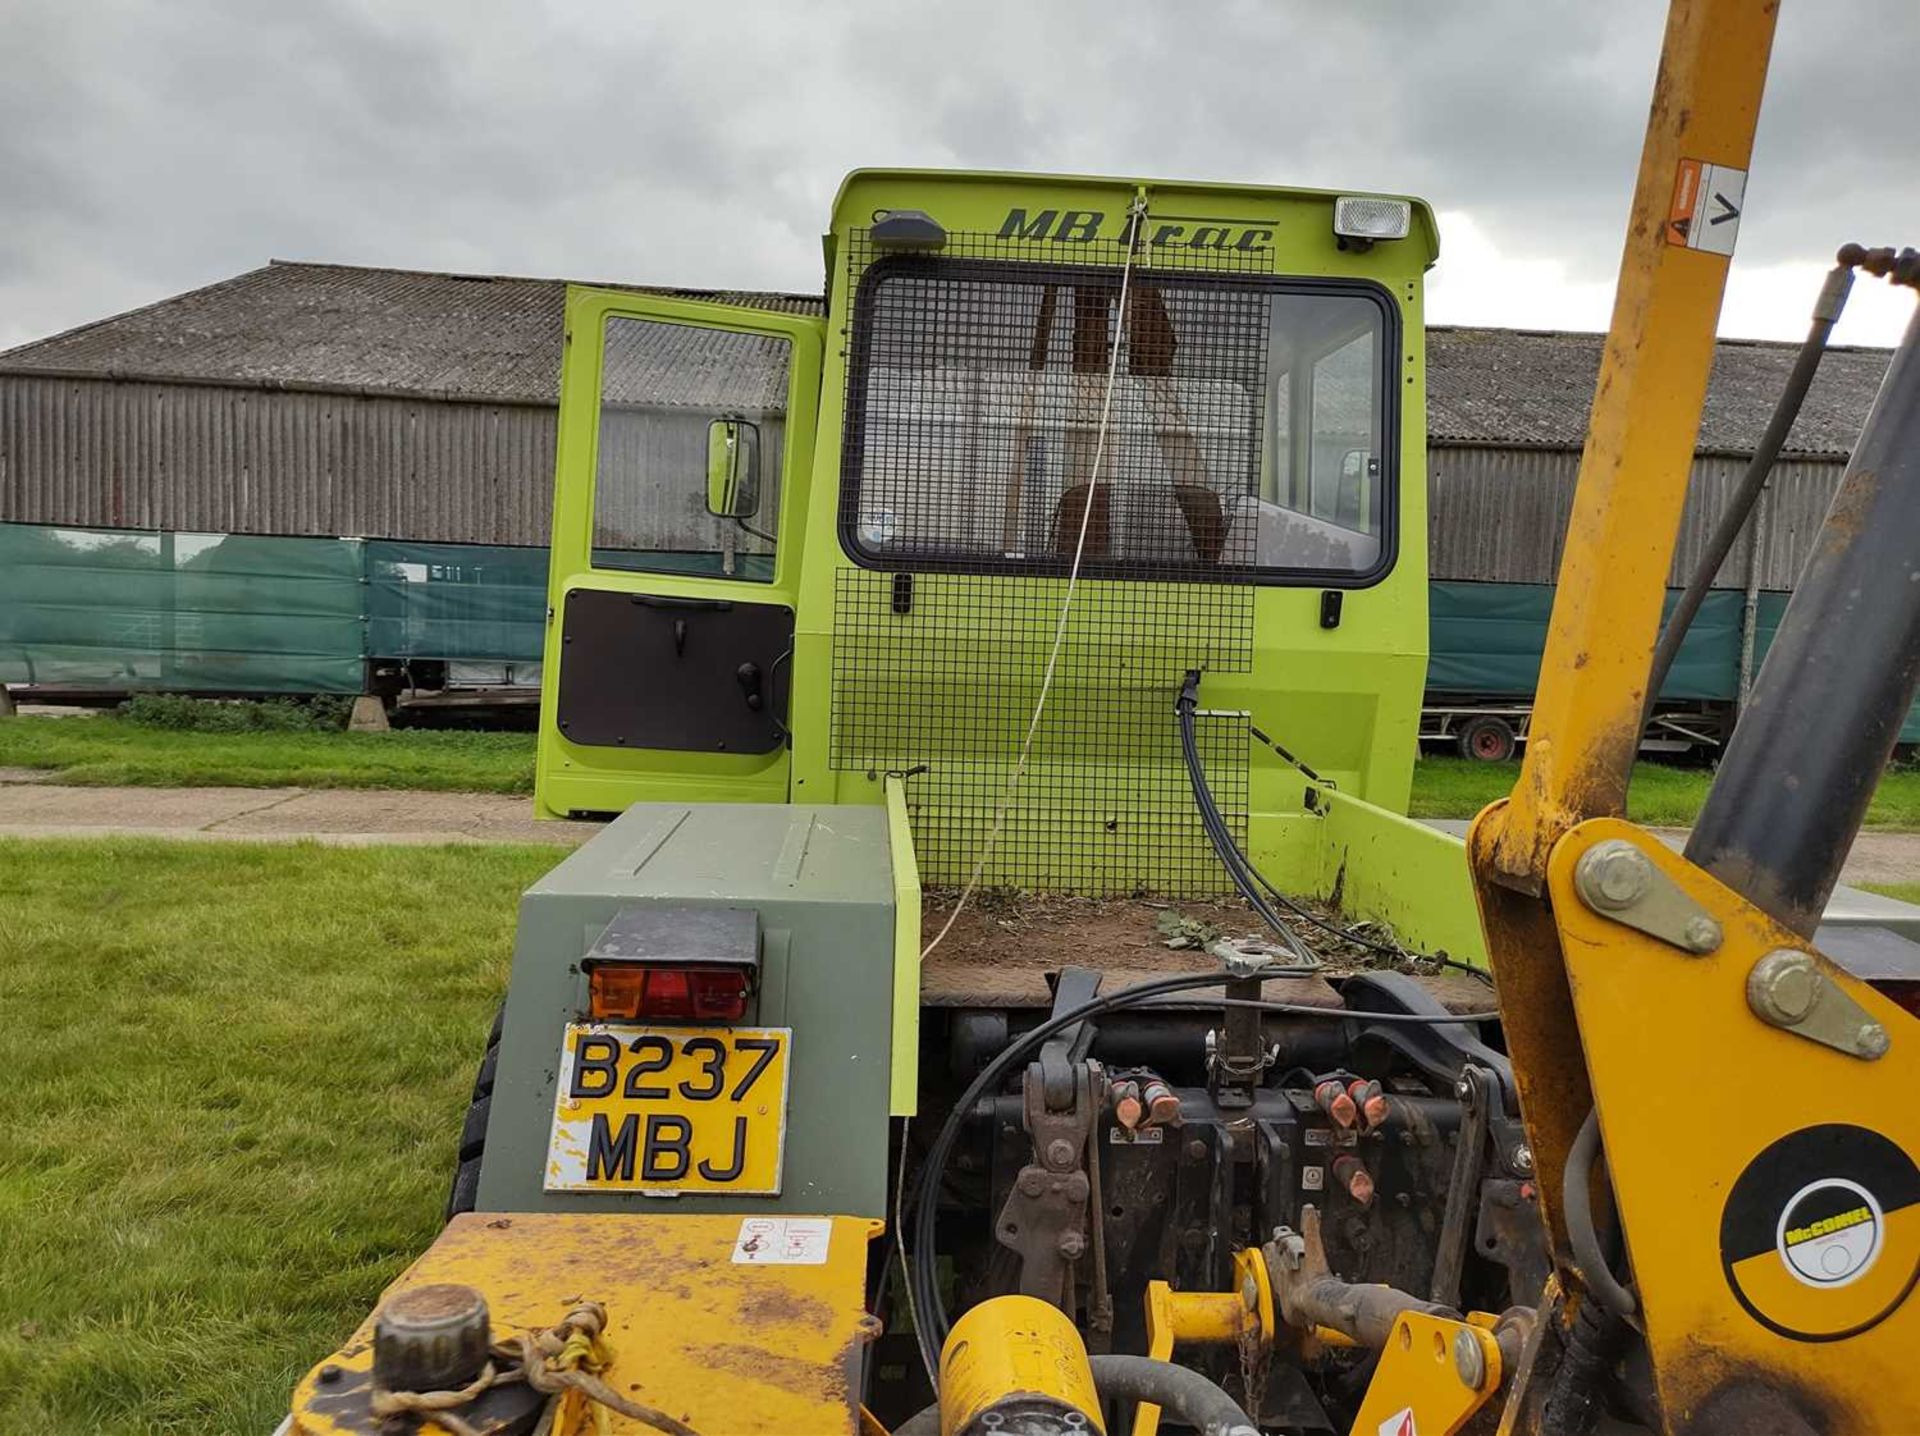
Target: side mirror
<point>733,469</point>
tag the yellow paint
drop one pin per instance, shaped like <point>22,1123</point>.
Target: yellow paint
<point>1640,444</point>
<point>1417,1375</point>
<point>1691,1087</point>
<point>731,1349</point>
<point>906,953</point>
<point>1014,1345</point>
<point>1619,545</point>
<point>1207,1318</point>
<point>670,1109</point>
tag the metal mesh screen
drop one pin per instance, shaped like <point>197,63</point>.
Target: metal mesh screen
<point>975,392</point>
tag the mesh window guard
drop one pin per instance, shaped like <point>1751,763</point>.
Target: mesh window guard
<point>975,387</point>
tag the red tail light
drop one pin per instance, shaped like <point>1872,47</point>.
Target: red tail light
<point>619,991</point>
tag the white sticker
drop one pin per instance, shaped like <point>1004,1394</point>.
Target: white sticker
<point>1830,1232</point>
<point>1707,201</point>
<point>1319,1137</point>
<point>1313,1179</point>
<point>1399,1424</point>
<point>1144,1136</point>
<point>783,1241</point>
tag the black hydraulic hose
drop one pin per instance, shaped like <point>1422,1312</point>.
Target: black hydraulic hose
<point>1576,1205</point>
<point>1246,877</point>
<point>1184,1394</point>
<point>1238,867</point>
<point>1826,313</point>
<point>1187,1396</point>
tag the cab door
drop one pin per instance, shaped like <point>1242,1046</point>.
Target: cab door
<point>682,463</point>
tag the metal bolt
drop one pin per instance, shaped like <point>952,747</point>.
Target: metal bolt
<point>1613,875</point>
<point>1783,987</point>
<point>1701,934</point>
<point>1872,1040</point>
<point>1523,1158</point>
<point>1071,1245</point>
<point>1059,1153</point>
<point>1032,1181</point>
<point>1469,1359</point>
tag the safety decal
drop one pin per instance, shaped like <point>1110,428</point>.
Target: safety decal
<point>1399,1424</point>
<point>1707,201</point>
<point>1820,1236</point>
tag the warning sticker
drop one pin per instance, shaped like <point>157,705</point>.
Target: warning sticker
<point>1820,1236</point>
<point>1399,1424</point>
<point>783,1241</point>
<point>1313,1179</point>
<point>1707,201</point>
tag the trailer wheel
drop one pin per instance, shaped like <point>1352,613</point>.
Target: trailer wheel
<point>473,1131</point>
<point>1487,739</point>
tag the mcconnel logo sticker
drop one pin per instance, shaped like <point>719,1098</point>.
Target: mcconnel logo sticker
<point>1820,1237</point>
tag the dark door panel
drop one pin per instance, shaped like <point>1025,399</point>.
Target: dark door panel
<point>702,675</point>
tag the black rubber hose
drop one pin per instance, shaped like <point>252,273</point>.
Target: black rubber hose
<point>1189,1397</point>
<point>1185,1395</point>
<point>1826,313</point>
<point>1577,1206</point>
<point>1248,879</point>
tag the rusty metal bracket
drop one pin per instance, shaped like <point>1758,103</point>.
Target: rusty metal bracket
<point>1044,1219</point>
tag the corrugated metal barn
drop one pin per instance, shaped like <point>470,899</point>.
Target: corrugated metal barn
<point>156,468</point>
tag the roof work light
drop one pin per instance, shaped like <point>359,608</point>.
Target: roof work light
<point>1359,220</point>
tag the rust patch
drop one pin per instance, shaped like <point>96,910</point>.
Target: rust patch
<point>814,1381</point>
<point>774,1307</point>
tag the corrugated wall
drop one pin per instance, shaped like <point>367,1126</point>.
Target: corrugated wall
<point>209,459</point>
<point>201,458</point>
<point>1500,515</point>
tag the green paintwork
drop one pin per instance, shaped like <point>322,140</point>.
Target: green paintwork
<point>1345,699</point>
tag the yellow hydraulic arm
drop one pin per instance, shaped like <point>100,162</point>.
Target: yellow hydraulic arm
<point>1763,1169</point>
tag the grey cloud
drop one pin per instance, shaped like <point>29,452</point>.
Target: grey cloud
<point>148,145</point>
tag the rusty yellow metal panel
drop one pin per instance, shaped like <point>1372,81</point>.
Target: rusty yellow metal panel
<point>1620,538</point>
<point>733,1336</point>
<point>1646,415</point>
<point>1766,1182</point>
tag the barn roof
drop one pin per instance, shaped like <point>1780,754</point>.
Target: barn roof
<point>494,338</point>
<point>1531,388</point>
<point>289,325</point>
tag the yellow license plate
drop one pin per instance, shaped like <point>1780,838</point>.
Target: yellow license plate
<point>665,1110</point>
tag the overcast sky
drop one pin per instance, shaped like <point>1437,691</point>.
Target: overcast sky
<point>148,146</point>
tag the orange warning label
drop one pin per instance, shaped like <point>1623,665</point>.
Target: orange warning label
<point>1686,199</point>
<point>1707,201</point>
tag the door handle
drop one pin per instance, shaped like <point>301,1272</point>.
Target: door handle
<point>660,600</point>
<point>748,675</point>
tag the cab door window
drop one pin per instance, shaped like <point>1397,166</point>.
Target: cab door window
<point>676,401</point>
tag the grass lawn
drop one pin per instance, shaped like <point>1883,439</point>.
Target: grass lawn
<point>1906,892</point>
<point>1660,795</point>
<point>234,1077</point>
<point>109,750</point>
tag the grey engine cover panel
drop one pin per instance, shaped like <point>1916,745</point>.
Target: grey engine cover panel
<point>820,879</point>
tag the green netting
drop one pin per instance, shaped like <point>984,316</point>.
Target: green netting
<point>110,608</point>
<point>455,601</point>
<point>1487,639</point>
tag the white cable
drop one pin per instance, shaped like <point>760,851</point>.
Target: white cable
<point>1136,221</point>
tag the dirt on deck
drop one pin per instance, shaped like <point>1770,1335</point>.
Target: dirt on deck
<point>1004,943</point>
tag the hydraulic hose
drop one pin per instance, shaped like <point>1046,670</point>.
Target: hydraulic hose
<point>1826,313</point>
<point>1187,1396</point>
<point>1577,1208</point>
